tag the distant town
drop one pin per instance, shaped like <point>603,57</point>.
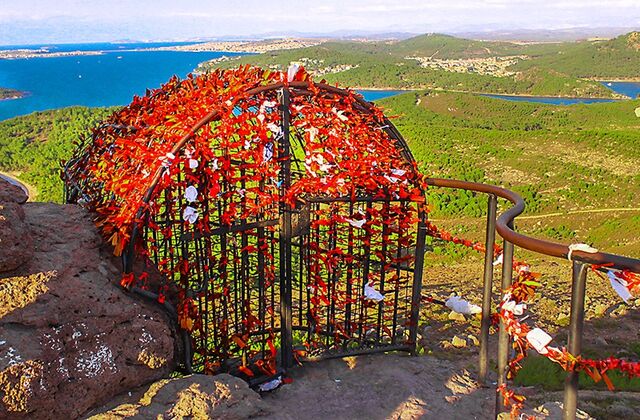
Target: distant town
<point>249,47</point>
<point>255,47</point>
<point>492,66</point>
<point>41,53</point>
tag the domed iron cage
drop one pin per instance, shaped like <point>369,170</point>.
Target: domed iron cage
<point>329,276</point>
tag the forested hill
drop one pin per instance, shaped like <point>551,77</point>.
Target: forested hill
<point>436,61</point>
<point>33,145</point>
<point>618,58</point>
<point>450,47</point>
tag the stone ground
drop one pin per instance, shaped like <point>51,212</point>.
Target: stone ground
<point>381,387</point>
<point>365,387</point>
<point>391,386</point>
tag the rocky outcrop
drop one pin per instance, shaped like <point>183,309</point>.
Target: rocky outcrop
<point>70,338</point>
<point>10,193</point>
<point>633,40</point>
<point>15,237</point>
<point>196,396</point>
<point>16,247</point>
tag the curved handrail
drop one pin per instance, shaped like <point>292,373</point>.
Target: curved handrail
<point>541,246</point>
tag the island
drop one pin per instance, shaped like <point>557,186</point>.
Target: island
<point>6,94</point>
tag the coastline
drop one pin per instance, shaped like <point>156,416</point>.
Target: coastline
<point>386,89</point>
<point>521,95</point>
<point>577,98</point>
<point>243,47</point>
<point>615,97</point>
<point>24,54</point>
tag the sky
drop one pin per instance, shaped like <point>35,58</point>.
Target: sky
<point>42,21</point>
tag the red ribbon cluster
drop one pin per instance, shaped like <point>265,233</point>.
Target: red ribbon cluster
<point>228,173</point>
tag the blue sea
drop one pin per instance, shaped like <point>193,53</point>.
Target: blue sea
<point>112,78</point>
<point>94,46</point>
<point>632,90</point>
<point>375,94</point>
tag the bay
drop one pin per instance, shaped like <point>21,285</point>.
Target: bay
<point>94,46</point>
<point>375,94</point>
<point>630,89</point>
<point>550,99</point>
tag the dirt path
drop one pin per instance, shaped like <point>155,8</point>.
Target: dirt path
<point>566,213</point>
<point>396,386</point>
<point>382,387</point>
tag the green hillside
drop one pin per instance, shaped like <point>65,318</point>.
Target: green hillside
<point>33,145</point>
<point>449,47</point>
<point>558,157</point>
<point>535,81</point>
<point>397,65</point>
<point>618,58</point>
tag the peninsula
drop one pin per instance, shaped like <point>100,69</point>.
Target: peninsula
<point>249,47</point>
<point>41,53</point>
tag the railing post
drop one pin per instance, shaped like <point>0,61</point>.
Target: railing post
<point>417,281</point>
<point>503,337</point>
<point>486,292</point>
<point>578,286</point>
<point>286,350</point>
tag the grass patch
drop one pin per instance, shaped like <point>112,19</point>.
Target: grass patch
<point>540,371</point>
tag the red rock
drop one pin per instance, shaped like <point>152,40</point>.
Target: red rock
<point>10,193</point>
<point>70,338</point>
<point>16,246</point>
<point>196,396</point>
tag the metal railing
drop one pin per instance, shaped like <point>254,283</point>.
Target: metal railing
<point>504,225</point>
